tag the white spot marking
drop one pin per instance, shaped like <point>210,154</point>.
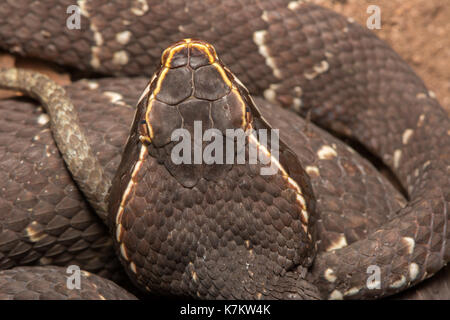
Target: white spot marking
<point>119,232</point>
<point>322,67</point>
<point>421,95</point>
<point>33,232</point>
<point>326,153</point>
<point>421,120</point>
<point>123,252</point>
<point>83,10</point>
<point>407,135</point>
<point>341,242</point>
<point>432,94</point>
<point>329,275</point>
<point>133,267</point>
<point>270,94</point>
<point>413,271</point>
<point>350,20</point>
<point>92,85</point>
<point>259,39</point>
<point>123,37</point>
<point>351,291</point>
<point>43,119</point>
<point>397,157</point>
<point>399,283</point>
<point>298,91</point>
<point>113,96</point>
<point>336,295</point>
<point>297,104</point>
<point>293,5</point>
<point>120,57</point>
<point>141,8</point>
<point>264,16</point>
<point>409,243</point>
<point>313,171</point>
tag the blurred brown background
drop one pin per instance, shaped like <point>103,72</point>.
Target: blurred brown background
<point>417,29</point>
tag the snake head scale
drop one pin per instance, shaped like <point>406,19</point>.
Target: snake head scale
<point>209,229</point>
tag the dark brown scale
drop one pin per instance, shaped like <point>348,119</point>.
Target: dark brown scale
<point>180,88</point>
<point>165,118</point>
<point>209,84</point>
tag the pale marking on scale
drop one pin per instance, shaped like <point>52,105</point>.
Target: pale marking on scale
<point>421,120</point>
<point>336,295</point>
<point>140,11</point>
<point>194,276</point>
<point>407,135</point>
<point>92,85</point>
<point>133,267</point>
<point>329,54</point>
<point>298,91</point>
<point>120,58</point>
<point>294,5</point>
<point>421,95</point>
<point>119,232</point>
<point>413,271</point>
<point>35,234</point>
<point>432,94</point>
<point>339,243</point>
<point>397,157</point>
<point>329,275</point>
<point>181,28</point>
<point>350,20</point>
<point>409,243</point>
<point>98,38</point>
<point>270,94</point>
<point>426,164</point>
<point>259,40</point>
<point>416,173</point>
<point>326,152</point>
<point>113,97</point>
<point>123,251</point>
<point>43,119</point>
<point>123,37</point>
<point>399,283</point>
<point>87,274</point>
<point>318,69</point>
<point>312,171</point>
<point>351,291</point>
<point>264,16</point>
<point>297,104</point>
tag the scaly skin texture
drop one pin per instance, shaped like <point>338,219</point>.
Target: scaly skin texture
<point>70,139</point>
<point>50,283</point>
<point>352,198</point>
<point>312,59</point>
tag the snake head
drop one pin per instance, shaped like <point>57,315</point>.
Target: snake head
<point>183,227</point>
<point>192,84</point>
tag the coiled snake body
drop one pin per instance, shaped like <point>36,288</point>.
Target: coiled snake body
<point>306,58</point>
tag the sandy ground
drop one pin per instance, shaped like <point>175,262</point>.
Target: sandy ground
<point>417,29</point>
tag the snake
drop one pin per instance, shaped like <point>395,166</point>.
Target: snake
<point>298,55</point>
